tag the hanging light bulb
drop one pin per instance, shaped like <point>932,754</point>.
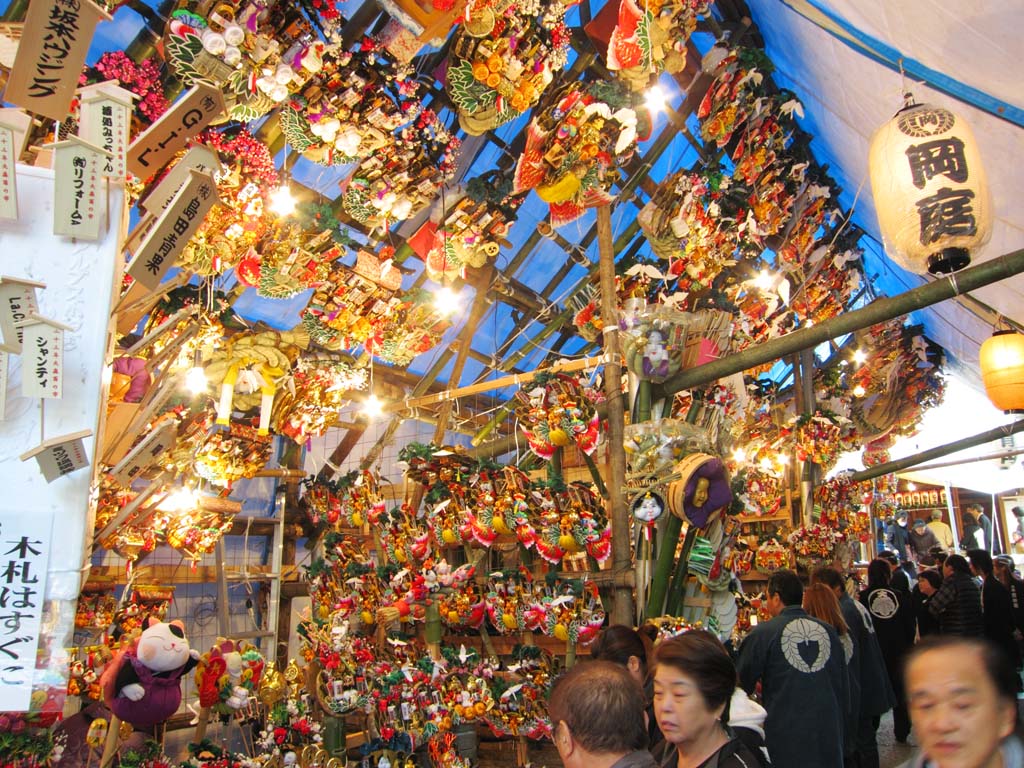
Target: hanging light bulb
<point>860,356</point>
<point>763,280</point>
<point>859,391</point>
<point>372,408</point>
<point>446,301</point>
<point>282,201</point>
<point>195,380</point>
<point>183,499</point>
<point>655,98</point>
<point>739,456</point>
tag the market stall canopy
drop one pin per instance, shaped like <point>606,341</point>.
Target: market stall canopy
<point>843,59</point>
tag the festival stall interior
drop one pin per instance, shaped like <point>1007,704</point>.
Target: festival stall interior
<point>384,351</point>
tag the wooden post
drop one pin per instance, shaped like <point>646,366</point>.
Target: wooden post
<point>622,608</point>
<point>809,469</point>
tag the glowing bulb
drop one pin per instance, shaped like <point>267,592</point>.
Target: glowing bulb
<point>739,456</point>
<point>763,280</point>
<point>783,459</point>
<point>195,380</point>
<point>446,301</point>
<point>860,356</point>
<point>179,500</point>
<point>911,487</point>
<point>859,391</point>
<point>766,464</point>
<point>373,408</point>
<point>282,202</point>
<point>655,99</point>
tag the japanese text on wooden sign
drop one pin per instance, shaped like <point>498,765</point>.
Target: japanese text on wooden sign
<point>54,42</point>
<point>8,180</point>
<point>42,361</point>
<point>79,205</point>
<point>24,555</point>
<point>176,226</point>
<point>105,120</point>
<point>189,115</point>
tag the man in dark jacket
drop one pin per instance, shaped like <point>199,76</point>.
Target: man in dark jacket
<point>922,539</point>
<point>801,666</point>
<point>996,605</point>
<point>871,694</point>
<point>899,536</point>
<point>957,604</point>
<point>899,579</point>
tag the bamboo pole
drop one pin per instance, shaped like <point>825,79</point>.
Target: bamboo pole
<point>878,311</point>
<point>622,608</point>
<point>942,450</point>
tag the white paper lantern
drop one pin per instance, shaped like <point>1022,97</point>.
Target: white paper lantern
<point>930,191</point>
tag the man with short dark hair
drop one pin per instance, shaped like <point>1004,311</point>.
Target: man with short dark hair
<point>996,605</point>
<point>871,695</point>
<point>898,535</point>
<point>597,718</point>
<point>957,604</point>
<point>801,667</point>
<point>963,704</point>
<point>900,578</point>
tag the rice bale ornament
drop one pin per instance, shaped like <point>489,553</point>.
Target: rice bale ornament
<point>701,490</point>
<point>142,686</point>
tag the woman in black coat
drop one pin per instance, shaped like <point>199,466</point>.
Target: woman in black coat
<point>892,612</point>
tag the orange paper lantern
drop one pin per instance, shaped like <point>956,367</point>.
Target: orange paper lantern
<point>1002,370</point>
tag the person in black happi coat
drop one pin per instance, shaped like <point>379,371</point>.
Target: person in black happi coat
<point>801,667</point>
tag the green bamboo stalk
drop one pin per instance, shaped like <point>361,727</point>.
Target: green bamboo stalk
<point>663,567</point>
<point>674,603</point>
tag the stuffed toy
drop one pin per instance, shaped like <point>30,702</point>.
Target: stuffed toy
<point>142,686</point>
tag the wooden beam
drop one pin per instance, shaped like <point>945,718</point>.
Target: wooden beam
<point>878,311</point>
<point>623,608</point>
<point>934,453</point>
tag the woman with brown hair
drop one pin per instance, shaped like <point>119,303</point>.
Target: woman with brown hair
<point>821,603</point>
<point>631,648</point>
<point>695,690</point>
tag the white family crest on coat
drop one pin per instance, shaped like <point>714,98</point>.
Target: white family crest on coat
<point>847,642</point>
<point>799,632</point>
<point>866,616</point>
<point>883,603</point>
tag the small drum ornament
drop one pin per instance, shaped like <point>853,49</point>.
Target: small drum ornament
<point>701,490</point>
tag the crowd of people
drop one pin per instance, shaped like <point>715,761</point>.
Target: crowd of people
<point>931,635</point>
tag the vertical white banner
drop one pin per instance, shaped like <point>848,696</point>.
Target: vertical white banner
<point>24,556</point>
